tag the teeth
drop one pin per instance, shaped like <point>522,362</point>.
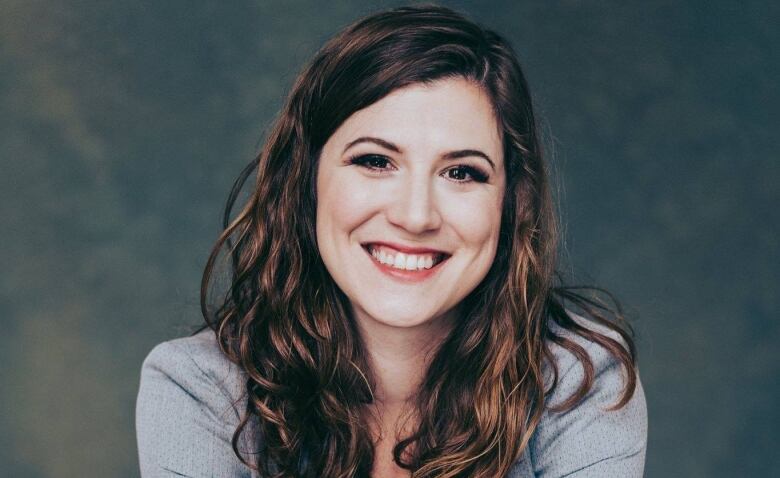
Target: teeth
<point>399,260</point>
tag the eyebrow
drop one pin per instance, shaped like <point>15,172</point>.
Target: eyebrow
<point>461,153</point>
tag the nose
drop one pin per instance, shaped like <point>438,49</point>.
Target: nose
<point>415,207</point>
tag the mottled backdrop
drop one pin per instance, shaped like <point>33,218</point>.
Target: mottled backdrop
<point>123,124</point>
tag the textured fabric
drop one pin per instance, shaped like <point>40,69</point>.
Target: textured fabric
<point>191,397</point>
<point>189,404</point>
<point>588,441</point>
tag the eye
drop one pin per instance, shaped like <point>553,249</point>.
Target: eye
<point>373,162</point>
<point>459,173</point>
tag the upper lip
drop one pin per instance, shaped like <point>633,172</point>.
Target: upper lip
<point>406,249</point>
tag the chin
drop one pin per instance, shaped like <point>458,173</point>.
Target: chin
<point>401,317</point>
<point>403,322</point>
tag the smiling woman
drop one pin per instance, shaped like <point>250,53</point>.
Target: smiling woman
<point>393,307</point>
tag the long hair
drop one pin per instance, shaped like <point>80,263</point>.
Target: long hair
<point>285,322</point>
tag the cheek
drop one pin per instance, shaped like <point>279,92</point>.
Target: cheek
<point>477,221</point>
<point>341,204</point>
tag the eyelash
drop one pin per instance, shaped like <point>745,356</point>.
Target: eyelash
<point>476,174</point>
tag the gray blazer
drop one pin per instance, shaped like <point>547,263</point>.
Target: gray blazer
<point>190,400</point>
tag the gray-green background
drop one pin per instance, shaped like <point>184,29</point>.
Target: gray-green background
<point>123,124</point>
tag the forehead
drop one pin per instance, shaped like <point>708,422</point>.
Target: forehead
<point>444,115</point>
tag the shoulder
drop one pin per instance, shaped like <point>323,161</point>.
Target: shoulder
<point>196,359</point>
<point>589,440</point>
<point>608,370</point>
<point>190,402</point>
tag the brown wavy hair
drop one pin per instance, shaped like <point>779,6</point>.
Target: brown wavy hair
<point>284,321</point>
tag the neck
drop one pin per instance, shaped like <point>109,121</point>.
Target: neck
<point>399,356</point>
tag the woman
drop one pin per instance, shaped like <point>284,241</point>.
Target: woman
<point>393,308</point>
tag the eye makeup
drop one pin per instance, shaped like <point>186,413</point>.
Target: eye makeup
<point>374,162</point>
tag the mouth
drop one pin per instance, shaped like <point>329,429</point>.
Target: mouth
<point>404,265</point>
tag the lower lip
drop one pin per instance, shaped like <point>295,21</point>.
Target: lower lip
<point>405,275</point>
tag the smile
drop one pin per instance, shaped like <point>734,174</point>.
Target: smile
<point>405,266</point>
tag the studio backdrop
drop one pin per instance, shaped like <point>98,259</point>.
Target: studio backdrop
<point>124,124</point>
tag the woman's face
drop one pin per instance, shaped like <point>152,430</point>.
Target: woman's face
<point>413,178</point>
